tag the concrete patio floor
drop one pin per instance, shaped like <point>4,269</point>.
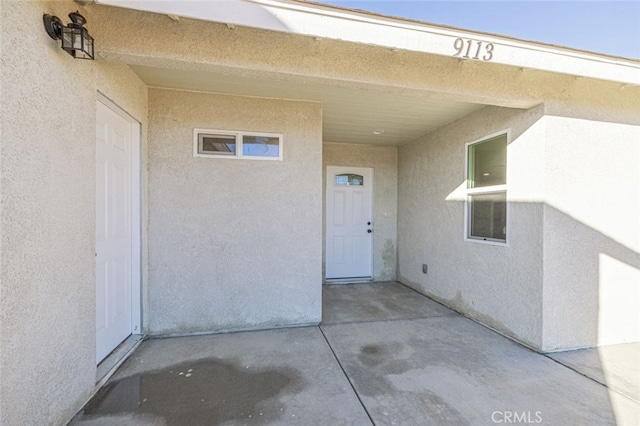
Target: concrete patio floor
<point>383,355</point>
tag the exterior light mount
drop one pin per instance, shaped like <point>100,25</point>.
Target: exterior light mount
<point>76,40</point>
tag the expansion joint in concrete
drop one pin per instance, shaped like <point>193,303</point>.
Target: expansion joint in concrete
<point>364,407</point>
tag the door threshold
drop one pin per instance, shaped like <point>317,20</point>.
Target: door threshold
<point>353,280</point>
<point>110,364</point>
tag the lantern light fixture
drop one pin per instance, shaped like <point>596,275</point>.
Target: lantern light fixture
<point>76,40</point>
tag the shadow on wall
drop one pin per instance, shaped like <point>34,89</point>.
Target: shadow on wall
<point>592,293</point>
<point>592,284</point>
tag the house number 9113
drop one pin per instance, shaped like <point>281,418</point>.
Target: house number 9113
<point>467,47</point>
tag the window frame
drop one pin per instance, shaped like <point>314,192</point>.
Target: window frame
<point>239,138</point>
<point>485,190</point>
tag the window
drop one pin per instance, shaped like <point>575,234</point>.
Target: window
<point>232,144</point>
<point>216,144</point>
<point>486,207</point>
<point>349,179</point>
<point>261,146</point>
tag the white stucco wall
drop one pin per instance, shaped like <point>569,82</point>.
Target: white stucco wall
<point>384,161</point>
<point>233,244</point>
<point>591,233</point>
<point>500,286</point>
<point>47,217</point>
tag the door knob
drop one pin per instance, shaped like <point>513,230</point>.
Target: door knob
<point>369,231</point>
<point>368,223</point>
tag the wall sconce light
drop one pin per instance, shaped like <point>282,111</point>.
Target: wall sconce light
<point>76,40</point>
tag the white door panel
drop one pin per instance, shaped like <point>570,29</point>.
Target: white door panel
<point>349,216</point>
<point>114,236</point>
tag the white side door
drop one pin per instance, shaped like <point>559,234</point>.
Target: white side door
<point>116,236</point>
<point>349,218</point>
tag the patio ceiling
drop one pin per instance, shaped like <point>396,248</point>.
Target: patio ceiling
<point>350,113</point>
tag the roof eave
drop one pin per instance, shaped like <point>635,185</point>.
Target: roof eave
<point>315,20</point>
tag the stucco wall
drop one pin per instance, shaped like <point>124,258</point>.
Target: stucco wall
<point>47,219</point>
<point>384,161</point>
<point>591,233</point>
<point>570,275</point>
<point>233,244</point>
<point>499,285</point>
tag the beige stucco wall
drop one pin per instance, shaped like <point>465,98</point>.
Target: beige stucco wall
<point>570,275</point>
<point>47,216</point>
<point>591,232</point>
<point>384,161</point>
<point>233,244</point>
<point>500,286</point>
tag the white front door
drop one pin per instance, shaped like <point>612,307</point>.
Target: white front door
<point>116,143</point>
<point>349,218</point>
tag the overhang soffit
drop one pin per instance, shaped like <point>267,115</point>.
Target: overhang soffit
<point>196,47</point>
<point>318,22</point>
<point>198,76</point>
